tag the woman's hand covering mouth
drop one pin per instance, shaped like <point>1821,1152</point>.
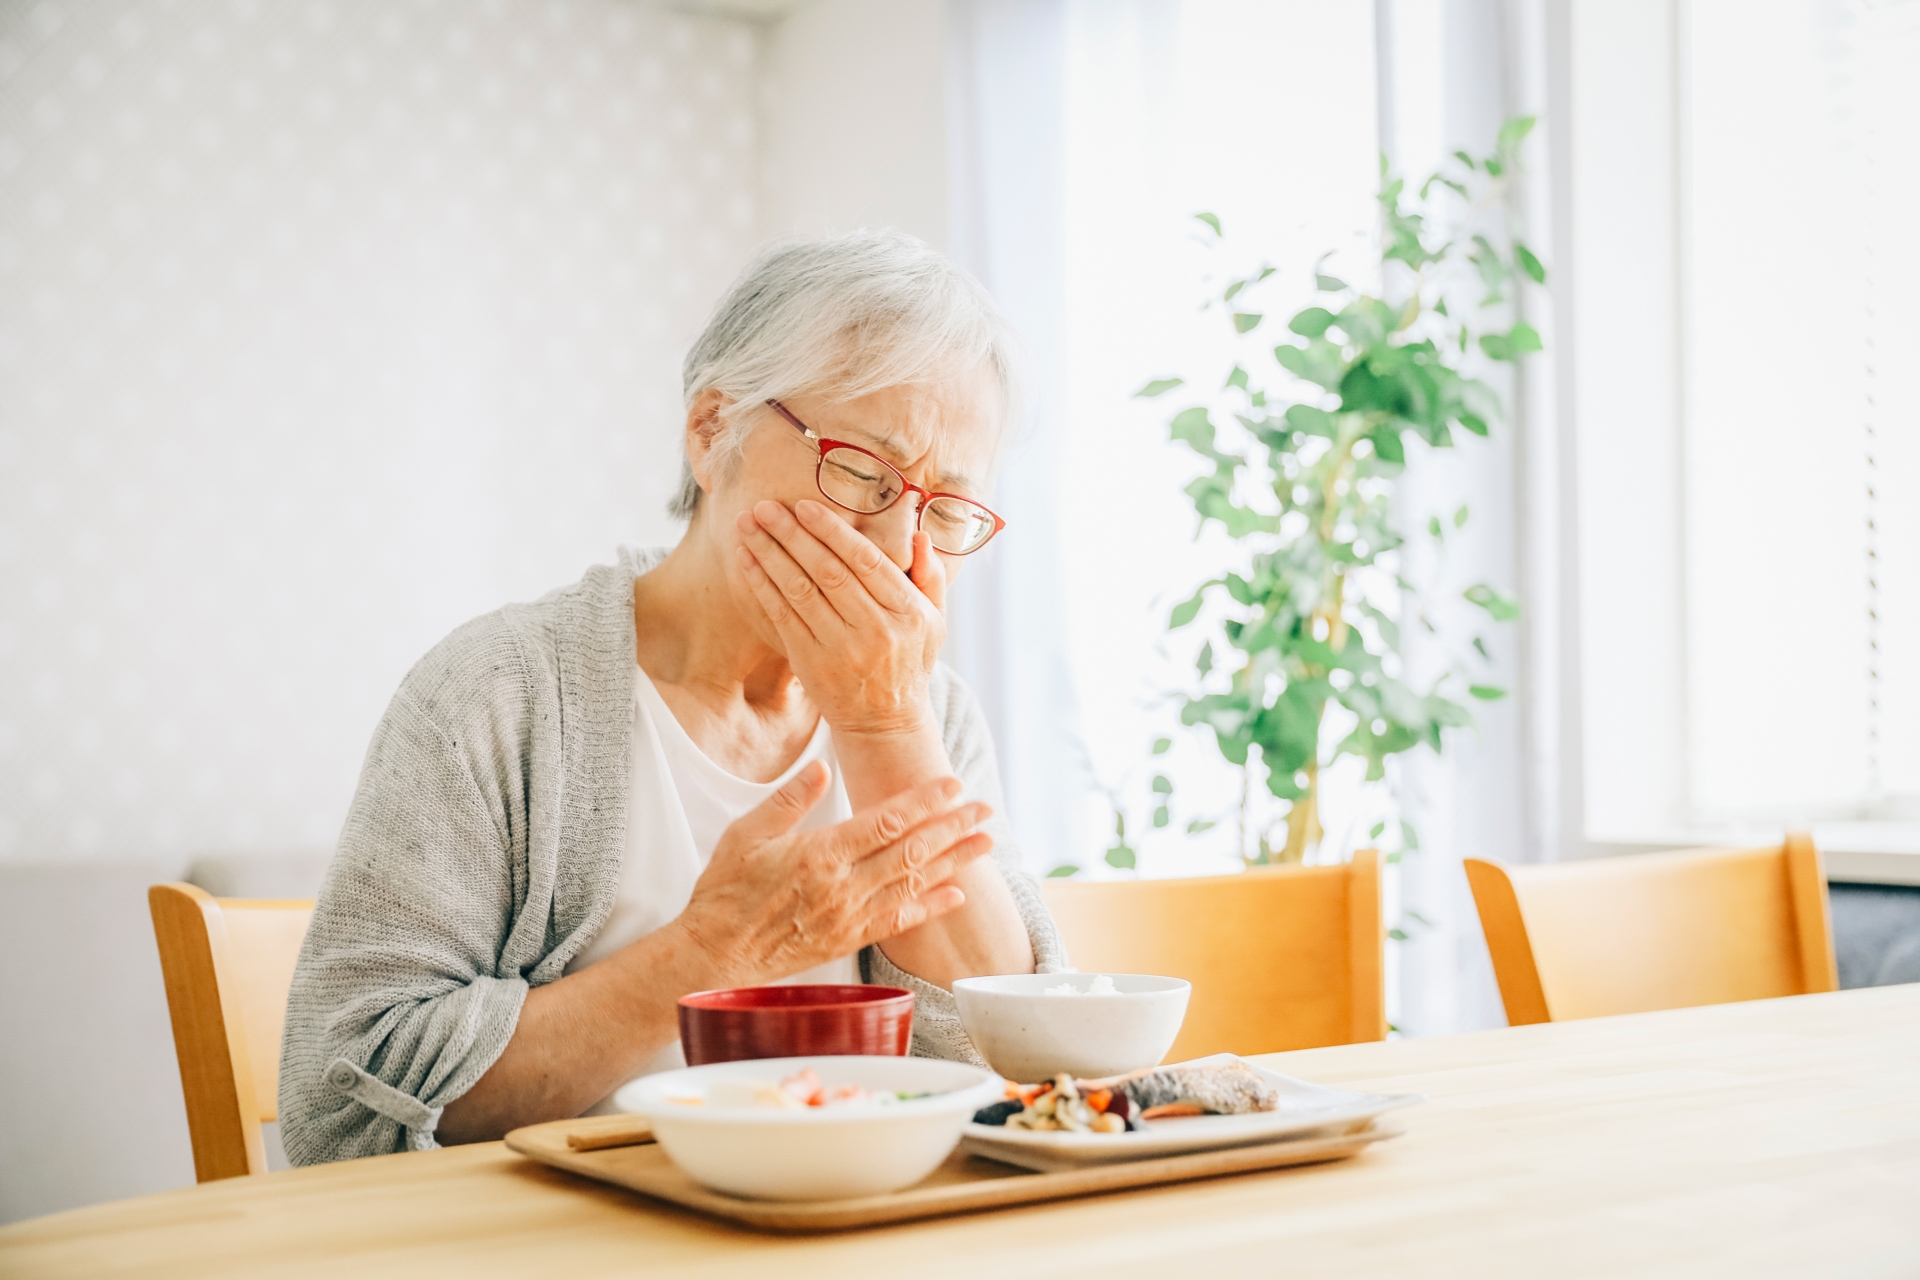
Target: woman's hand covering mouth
<point>861,636</point>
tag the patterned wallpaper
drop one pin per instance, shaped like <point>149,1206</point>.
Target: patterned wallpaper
<point>324,326</point>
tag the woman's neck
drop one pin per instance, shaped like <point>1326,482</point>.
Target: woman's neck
<point>689,632</point>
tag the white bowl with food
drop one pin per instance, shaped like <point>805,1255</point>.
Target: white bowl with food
<point>818,1128</point>
<point>1032,1027</point>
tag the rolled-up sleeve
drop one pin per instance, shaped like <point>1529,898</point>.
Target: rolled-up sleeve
<point>399,1003</point>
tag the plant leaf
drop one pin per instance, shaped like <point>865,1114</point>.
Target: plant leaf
<point>1529,263</point>
<point>1162,785</point>
<point>1212,221</point>
<point>1247,321</point>
<point>1486,692</point>
<point>1198,825</point>
<point>1514,132</point>
<point>1503,608</point>
<point>1122,857</point>
<point>1162,745</point>
<point>1386,443</point>
<point>1161,817</point>
<point>1312,322</point>
<point>1328,284</point>
<point>1314,422</point>
<point>1063,870</point>
<point>1159,387</point>
<point>1188,609</point>
<point>1460,517</point>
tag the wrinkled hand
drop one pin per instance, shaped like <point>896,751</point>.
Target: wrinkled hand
<point>773,902</point>
<point>861,635</point>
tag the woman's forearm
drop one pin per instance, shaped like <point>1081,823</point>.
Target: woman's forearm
<point>584,1036</point>
<point>986,935</point>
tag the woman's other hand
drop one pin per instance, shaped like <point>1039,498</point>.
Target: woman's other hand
<point>861,635</point>
<point>774,902</point>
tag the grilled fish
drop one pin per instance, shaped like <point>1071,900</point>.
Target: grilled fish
<point>1228,1088</point>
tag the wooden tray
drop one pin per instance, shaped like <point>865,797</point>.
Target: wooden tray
<point>964,1184</point>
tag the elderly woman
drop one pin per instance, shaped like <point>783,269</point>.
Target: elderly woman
<point>734,762</point>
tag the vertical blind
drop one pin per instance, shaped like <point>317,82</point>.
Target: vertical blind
<point>1801,523</point>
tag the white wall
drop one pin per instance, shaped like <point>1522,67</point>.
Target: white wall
<point>322,330</point>
<point>853,99</point>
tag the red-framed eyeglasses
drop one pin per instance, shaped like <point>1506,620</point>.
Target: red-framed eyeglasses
<point>862,481</point>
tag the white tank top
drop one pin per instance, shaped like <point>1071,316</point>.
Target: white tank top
<point>679,805</point>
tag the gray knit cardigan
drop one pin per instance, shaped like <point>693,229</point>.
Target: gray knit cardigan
<point>483,851</point>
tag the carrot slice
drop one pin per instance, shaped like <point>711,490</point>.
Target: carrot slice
<point>1172,1109</point>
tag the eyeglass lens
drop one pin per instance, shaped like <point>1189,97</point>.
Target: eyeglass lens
<point>862,484</point>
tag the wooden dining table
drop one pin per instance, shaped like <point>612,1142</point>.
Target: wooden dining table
<point>1773,1138</point>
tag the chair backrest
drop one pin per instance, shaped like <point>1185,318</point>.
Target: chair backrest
<point>1279,957</point>
<point>1651,931</point>
<point>228,964</point>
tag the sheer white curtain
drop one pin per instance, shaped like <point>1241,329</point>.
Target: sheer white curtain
<point>1007,140</point>
<point>1090,132</point>
<point>1093,130</point>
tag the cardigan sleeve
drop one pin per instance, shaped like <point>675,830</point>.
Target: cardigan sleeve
<point>400,1000</point>
<point>937,1032</point>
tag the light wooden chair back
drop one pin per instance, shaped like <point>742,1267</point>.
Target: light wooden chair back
<point>1656,930</point>
<point>228,964</point>
<point>1279,957</point>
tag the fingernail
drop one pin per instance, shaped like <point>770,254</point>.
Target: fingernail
<point>767,509</point>
<point>744,522</point>
<point>949,787</point>
<point>809,508</point>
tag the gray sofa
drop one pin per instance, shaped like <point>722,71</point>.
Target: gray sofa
<point>90,1104</point>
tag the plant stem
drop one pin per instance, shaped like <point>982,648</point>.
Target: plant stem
<point>1246,804</point>
<point>1303,820</point>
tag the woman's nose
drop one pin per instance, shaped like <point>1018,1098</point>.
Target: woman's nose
<point>892,530</point>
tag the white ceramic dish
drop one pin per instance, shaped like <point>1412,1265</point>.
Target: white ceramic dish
<point>1304,1109</point>
<point>1029,1036</point>
<point>825,1153</point>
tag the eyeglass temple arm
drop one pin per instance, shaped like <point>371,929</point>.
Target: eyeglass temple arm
<point>787,413</point>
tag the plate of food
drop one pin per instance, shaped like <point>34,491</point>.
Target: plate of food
<point>1209,1103</point>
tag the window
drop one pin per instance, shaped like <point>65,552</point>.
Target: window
<point>1800,489</point>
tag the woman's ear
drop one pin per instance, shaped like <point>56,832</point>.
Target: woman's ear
<point>705,428</point>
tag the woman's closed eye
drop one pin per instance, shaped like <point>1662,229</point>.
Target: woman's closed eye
<point>949,515</point>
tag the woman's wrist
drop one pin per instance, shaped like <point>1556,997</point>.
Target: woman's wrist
<point>878,764</point>
<point>701,958</point>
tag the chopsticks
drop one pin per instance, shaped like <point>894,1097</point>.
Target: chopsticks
<point>630,1132</point>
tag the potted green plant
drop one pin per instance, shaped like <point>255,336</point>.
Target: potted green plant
<point>1301,663</point>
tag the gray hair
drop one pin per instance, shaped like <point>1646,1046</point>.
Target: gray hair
<point>843,317</point>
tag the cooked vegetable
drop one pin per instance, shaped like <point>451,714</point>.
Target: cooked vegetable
<point>1120,1103</point>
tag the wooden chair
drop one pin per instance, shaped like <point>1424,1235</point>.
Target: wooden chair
<point>228,963</point>
<point>1279,957</point>
<point>1656,930</point>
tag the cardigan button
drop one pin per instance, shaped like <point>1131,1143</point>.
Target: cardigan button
<point>341,1076</point>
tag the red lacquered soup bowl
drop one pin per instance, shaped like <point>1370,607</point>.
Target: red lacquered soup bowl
<point>793,1022</point>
